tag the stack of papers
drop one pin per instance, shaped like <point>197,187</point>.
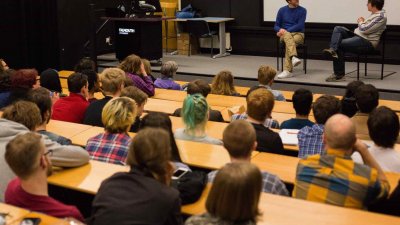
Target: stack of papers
<point>289,136</point>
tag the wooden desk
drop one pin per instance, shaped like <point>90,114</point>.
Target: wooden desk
<point>82,138</point>
<point>14,213</point>
<point>47,220</point>
<point>86,178</point>
<point>275,210</point>
<point>66,129</point>
<point>65,73</point>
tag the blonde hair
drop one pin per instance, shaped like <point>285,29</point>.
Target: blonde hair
<point>222,84</point>
<point>235,193</point>
<point>266,74</point>
<point>119,114</point>
<point>131,64</point>
<point>111,80</point>
<point>260,103</point>
<point>147,66</point>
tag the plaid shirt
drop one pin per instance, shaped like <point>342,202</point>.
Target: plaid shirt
<point>310,140</point>
<point>107,147</point>
<point>271,183</point>
<point>336,179</point>
<point>269,122</point>
<point>144,83</point>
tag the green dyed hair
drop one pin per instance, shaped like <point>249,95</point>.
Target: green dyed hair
<point>194,111</point>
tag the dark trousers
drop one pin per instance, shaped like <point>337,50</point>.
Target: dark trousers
<point>343,40</point>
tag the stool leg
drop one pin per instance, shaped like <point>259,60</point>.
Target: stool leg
<point>365,72</point>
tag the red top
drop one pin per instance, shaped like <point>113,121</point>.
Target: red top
<point>16,196</point>
<point>70,109</point>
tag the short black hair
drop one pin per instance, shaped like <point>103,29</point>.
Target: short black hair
<point>302,101</point>
<point>85,64</point>
<point>377,3</point>
<point>367,98</point>
<point>92,77</point>
<point>325,107</point>
<point>76,82</point>
<point>198,87</point>
<point>352,87</point>
<point>383,126</point>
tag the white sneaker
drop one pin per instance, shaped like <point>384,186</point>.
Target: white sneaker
<point>295,61</point>
<point>285,74</point>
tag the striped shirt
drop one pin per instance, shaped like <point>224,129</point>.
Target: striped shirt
<point>269,122</point>
<point>336,179</point>
<point>108,147</point>
<point>310,140</point>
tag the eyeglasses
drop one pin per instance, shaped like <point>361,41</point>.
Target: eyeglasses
<point>50,153</point>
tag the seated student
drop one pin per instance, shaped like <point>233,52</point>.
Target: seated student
<point>239,139</point>
<point>94,84</point>
<point>348,102</point>
<point>168,71</point>
<point>260,103</point>
<point>162,120</point>
<point>85,64</point>
<point>73,108</point>
<point>5,87</point>
<point>310,138</point>
<point>333,177</point>
<point>302,101</point>
<point>222,84</point>
<point>195,117</point>
<point>146,197</point>
<point>22,81</point>
<point>112,82</point>
<point>22,117</point>
<point>51,80</point>
<point>140,98</point>
<point>147,68</point>
<point>112,145</point>
<point>29,159</point>
<point>201,87</point>
<point>269,121</point>
<point>383,126</point>
<point>367,99</point>
<point>233,198</point>
<point>41,97</point>
<point>266,76</point>
<point>134,69</point>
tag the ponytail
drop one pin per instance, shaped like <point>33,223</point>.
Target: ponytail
<point>194,111</point>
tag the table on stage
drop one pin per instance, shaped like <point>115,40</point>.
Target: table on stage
<point>221,21</point>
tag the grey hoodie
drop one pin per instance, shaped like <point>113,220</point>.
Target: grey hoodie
<point>63,155</point>
<point>373,27</point>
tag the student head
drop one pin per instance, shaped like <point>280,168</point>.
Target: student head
<point>137,95</point>
<point>260,103</point>
<point>78,84</point>
<point>25,79</point>
<point>25,113</point>
<point>293,3</point>
<point>131,64</point>
<point>195,112</point>
<point>266,75</point>
<point>147,66</point>
<point>367,98</point>
<point>222,83</point>
<point>150,152</point>
<point>119,114</point>
<point>378,4</point>
<point>41,97</point>
<point>239,139</point>
<point>325,107</point>
<point>235,193</point>
<point>302,101</point>
<point>198,87</point>
<point>3,65</point>
<point>5,80</point>
<point>168,69</point>
<point>162,120</point>
<point>93,80</point>
<point>340,133</point>
<point>112,81</point>
<point>26,155</point>
<point>383,126</point>
<point>85,64</point>
<point>352,87</point>
<point>50,80</point>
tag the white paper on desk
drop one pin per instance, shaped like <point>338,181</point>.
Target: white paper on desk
<point>289,136</point>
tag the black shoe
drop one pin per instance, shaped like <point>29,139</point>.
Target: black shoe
<point>330,53</point>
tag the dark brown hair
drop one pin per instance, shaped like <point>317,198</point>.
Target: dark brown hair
<point>325,107</point>
<point>383,126</point>
<point>239,138</point>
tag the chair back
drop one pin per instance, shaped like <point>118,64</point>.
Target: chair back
<point>198,28</point>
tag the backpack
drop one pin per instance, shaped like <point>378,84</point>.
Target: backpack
<point>190,186</point>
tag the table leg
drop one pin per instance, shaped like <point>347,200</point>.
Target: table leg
<point>222,42</point>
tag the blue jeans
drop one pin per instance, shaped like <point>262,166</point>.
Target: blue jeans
<point>343,40</point>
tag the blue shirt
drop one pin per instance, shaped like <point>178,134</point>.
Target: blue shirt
<point>277,94</point>
<point>310,140</point>
<point>291,19</point>
<point>296,124</point>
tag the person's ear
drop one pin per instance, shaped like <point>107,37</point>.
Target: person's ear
<point>324,138</point>
<point>255,145</point>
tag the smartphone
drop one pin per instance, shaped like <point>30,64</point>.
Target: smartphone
<point>179,173</point>
<point>30,221</point>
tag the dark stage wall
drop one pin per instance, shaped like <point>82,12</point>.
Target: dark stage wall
<point>250,35</point>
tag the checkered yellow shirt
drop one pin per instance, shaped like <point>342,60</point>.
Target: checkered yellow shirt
<point>335,179</point>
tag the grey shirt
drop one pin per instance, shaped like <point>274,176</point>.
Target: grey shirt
<point>180,134</point>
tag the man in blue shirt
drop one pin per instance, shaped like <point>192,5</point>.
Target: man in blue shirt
<point>289,25</point>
